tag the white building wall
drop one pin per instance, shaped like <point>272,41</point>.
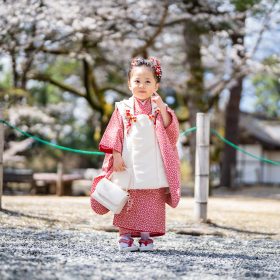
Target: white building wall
<point>248,167</point>
<point>271,173</point>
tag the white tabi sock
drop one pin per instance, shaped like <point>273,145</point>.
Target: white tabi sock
<point>145,235</point>
<point>126,236</point>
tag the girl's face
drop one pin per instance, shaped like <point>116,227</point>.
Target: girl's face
<point>142,82</point>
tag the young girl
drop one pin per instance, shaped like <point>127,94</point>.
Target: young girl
<point>141,139</point>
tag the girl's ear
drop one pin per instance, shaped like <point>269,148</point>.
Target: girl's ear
<point>128,84</point>
<point>157,86</point>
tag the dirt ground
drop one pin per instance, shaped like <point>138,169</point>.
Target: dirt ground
<point>245,213</point>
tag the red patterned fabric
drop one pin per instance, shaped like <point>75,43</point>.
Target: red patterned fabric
<point>147,210</point>
<point>146,214</point>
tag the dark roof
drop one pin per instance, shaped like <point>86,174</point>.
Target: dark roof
<point>265,130</point>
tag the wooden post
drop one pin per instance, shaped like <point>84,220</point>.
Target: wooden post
<point>59,181</point>
<point>1,153</point>
<point>201,191</point>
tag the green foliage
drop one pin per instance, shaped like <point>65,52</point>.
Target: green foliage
<point>115,78</point>
<point>63,68</point>
<point>244,5</point>
<point>267,88</point>
<point>9,94</point>
<point>7,80</point>
<point>43,94</point>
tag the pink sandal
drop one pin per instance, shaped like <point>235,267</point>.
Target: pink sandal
<point>146,245</point>
<point>127,245</point>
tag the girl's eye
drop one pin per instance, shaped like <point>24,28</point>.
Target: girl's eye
<point>148,82</point>
<point>136,81</point>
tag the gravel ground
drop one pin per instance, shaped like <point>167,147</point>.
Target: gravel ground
<point>59,238</point>
<point>64,254</point>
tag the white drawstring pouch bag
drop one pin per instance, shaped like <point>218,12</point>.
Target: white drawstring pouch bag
<point>112,195</point>
<point>123,178</point>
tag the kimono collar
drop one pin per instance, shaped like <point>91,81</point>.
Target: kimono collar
<point>129,117</point>
<point>130,103</point>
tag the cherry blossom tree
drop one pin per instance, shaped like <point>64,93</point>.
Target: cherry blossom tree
<point>101,38</point>
<point>200,43</point>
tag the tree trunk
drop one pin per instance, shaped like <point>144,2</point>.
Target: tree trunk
<point>195,82</point>
<point>14,69</point>
<point>231,133</point>
<point>228,167</point>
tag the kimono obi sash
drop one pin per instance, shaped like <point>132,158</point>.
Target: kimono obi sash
<point>141,152</point>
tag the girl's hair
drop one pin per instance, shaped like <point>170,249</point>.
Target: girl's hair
<point>152,62</point>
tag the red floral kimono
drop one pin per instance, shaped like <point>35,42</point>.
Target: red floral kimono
<point>146,210</point>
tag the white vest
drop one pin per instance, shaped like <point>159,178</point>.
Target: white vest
<point>141,152</point>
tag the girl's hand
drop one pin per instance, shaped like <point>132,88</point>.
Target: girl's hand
<point>157,99</point>
<point>118,163</point>
<point>163,111</point>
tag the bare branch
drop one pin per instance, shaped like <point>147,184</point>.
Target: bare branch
<point>49,79</point>
<point>91,87</point>
<point>241,70</point>
<point>120,91</point>
<point>263,29</point>
<point>151,40</point>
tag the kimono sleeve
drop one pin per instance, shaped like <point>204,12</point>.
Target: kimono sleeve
<point>172,130</point>
<point>112,138</point>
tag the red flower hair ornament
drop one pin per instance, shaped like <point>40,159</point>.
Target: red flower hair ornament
<point>156,66</point>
